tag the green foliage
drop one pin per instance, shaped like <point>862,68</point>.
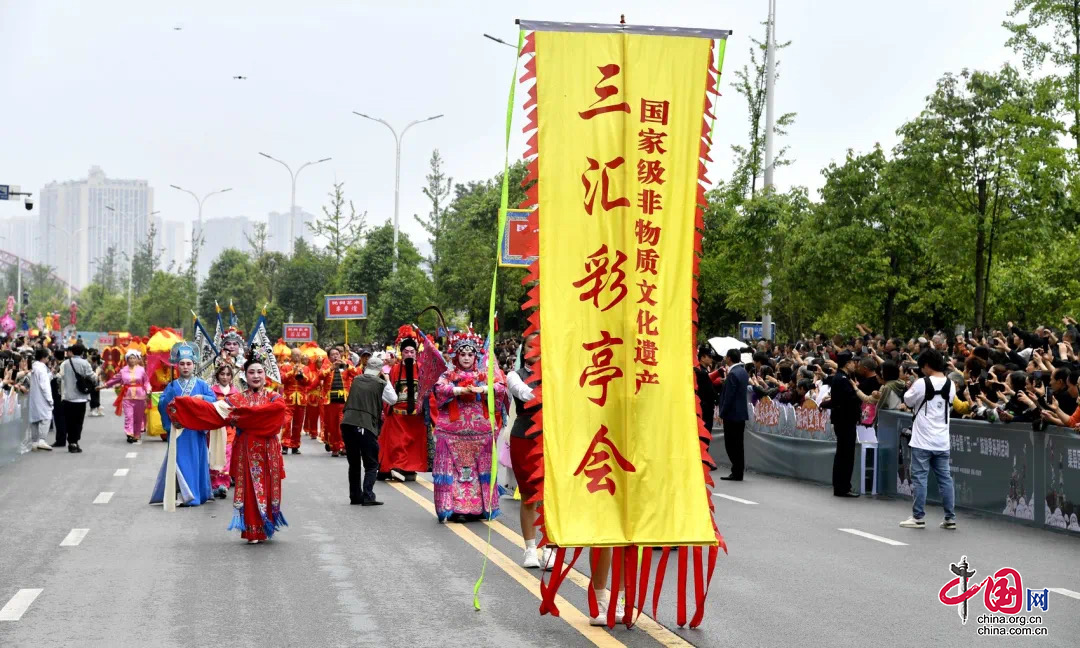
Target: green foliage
<point>167,302</point>
<point>341,230</point>
<point>232,276</point>
<point>402,295</point>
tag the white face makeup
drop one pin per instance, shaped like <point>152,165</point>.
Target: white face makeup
<point>256,376</point>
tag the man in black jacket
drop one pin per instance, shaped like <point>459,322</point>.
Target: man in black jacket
<point>360,423</point>
<point>846,412</point>
<point>734,412</point>
<point>706,393</point>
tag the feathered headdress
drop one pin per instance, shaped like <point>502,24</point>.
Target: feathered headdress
<point>464,339</point>
<point>407,336</point>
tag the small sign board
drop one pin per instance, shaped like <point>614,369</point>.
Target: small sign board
<point>521,239</point>
<point>753,331</point>
<point>346,307</point>
<point>298,332</point>
<point>5,192</point>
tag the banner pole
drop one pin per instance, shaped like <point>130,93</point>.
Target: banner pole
<point>346,333</point>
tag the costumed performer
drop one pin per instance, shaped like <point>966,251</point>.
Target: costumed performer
<point>257,468</point>
<point>192,456</point>
<point>134,395</point>
<point>336,380</point>
<point>221,439</point>
<point>231,349</point>
<point>295,376</point>
<point>463,437</point>
<point>403,441</point>
<point>314,399</point>
<point>526,451</point>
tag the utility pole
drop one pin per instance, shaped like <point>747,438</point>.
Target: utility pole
<point>292,203</point>
<point>770,124</point>
<point>197,235</point>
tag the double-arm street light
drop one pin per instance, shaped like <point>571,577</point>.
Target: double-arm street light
<point>197,233</point>
<point>292,202</point>
<point>397,167</point>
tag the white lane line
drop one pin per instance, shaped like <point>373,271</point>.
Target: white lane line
<point>131,455</point>
<point>1065,592</point>
<point>735,499</point>
<point>18,604</point>
<point>103,498</point>
<point>871,536</point>
<point>121,472</point>
<point>74,538</point>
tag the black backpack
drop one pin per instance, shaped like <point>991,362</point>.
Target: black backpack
<point>84,384</point>
<point>930,393</point>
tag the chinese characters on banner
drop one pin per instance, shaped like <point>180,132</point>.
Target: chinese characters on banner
<point>295,332</point>
<point>619,138</point>
<point>346,307</point>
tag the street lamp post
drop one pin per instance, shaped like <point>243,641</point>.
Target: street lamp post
<point>292,202</point>
<point>198,232</point>
<point>397,167</point>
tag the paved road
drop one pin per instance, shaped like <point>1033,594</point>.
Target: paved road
<point>343,575</point>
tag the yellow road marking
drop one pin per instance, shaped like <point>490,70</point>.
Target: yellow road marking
<point>599,636</point>
<point>645,622</point>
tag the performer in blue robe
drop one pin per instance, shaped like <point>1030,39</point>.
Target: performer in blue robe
<point>192,448</point>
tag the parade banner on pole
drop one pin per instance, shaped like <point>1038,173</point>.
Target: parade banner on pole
<point>298,332</point>
<point>619,139</point>
<point>346,307</point>
<point>519,247</point>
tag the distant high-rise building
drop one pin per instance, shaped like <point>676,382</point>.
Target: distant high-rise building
<point>170,240</point>
<point>277,229</point>
<point>220,234</point>
<point>19,236</point>
<point>81,220</point>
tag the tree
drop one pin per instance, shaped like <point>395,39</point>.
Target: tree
<point>167,302</point>
<point>749,159</point>
<point>342,231</point>
<point>985,142</point>
<point>303,281</point>
<point>403,294</point>
<point>437,191</point>
<point>232,276</point>
<point>107,273</point>
<point>865,214</point>
<point>467,254</point>
<point>145,264</point>
<point>1052,31</point>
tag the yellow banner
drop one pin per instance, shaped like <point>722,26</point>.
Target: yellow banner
<point>619,137</point>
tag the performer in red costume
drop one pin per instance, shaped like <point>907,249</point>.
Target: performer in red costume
<point>336,380</point>
<point>295,376</point>
<point>403,441</point>
<point>257,414</point>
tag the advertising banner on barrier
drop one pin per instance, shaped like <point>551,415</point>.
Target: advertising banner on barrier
<point>1062,503</point>
<point>769,417</point>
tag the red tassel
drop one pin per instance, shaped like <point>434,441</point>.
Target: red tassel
<point>699,589</point>
<point>683,556</point>
<point>616,583</point>
<point>630,571</point>
<point>547,605</point>
<point>594,605</point>
<point>643,579</point>
<point>661,567</point>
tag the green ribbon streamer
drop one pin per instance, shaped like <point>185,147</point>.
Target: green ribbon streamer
<point>504,198</point>
<point>721,47</point>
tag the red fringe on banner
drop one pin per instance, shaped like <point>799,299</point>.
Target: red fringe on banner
<point>628,573</point>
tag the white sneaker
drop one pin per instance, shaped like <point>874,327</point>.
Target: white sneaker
<point>949,523</point>
<point>912,523</point>
<point>41,444</point>
<point>547,558</point>
<point>530,561</point>
<point>601,618</point>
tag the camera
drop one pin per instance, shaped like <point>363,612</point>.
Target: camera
<point>28,203</point>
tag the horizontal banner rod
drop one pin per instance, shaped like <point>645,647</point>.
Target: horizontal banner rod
<point>603,28</point>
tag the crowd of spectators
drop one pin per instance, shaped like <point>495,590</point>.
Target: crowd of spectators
<point>1009,375</point>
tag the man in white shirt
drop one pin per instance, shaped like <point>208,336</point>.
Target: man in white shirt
<point>931,400</point>
<point>41,402</point>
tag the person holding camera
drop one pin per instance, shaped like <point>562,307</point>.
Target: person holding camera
<point>77,382</point>
<point>360,424</point>
<point>931,400</point>
<point>336,380</point>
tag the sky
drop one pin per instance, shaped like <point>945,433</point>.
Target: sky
<point>114,83</point>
